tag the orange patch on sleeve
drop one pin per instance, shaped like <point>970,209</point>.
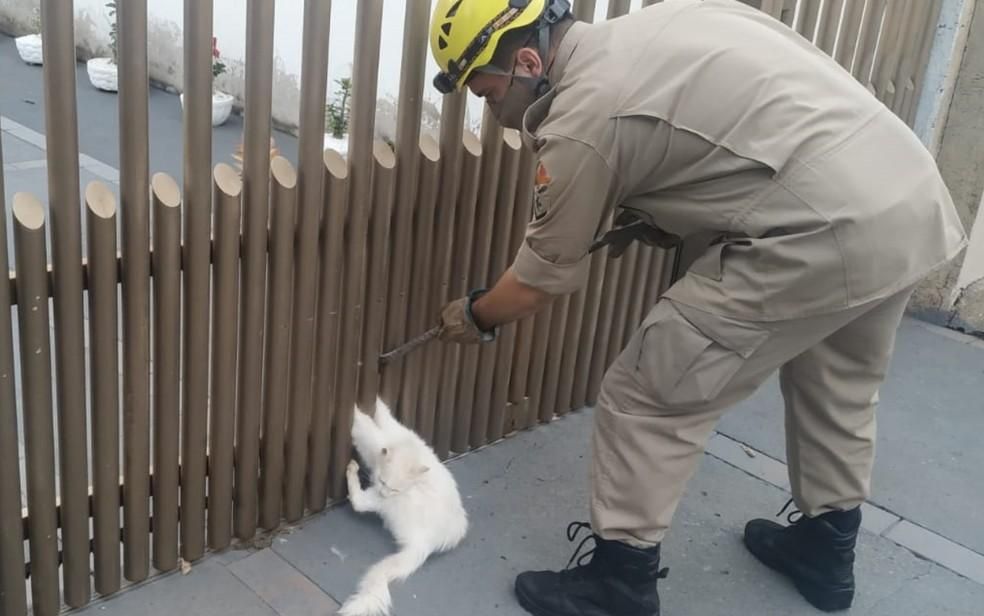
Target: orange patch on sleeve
<point>542,177</point>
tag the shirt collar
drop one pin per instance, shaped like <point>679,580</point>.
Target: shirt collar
<point>538,111</point>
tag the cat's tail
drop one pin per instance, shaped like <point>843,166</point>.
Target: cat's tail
<point>373,597</point>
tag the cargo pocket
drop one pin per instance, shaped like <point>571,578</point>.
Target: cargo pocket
<point>686,357</point>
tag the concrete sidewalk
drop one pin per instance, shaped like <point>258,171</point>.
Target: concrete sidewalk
<point>520,495</point>
<point>522,492</point>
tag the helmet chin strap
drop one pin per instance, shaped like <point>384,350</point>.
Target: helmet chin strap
<point>543,83</point>
<point>553,13</point>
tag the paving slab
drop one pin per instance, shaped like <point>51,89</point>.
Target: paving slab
<point>210,589</point>
<point>17,150</point>
<point>930,422</point>
<point>281,586</point>
<point>521,494</point>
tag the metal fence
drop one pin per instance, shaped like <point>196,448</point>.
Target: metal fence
<point>267,297</point>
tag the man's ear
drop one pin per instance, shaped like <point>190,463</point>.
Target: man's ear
<point>529,60</point>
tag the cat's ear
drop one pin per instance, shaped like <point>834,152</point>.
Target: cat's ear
<point>420,469</point>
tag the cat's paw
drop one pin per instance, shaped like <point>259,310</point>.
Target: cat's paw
<point>353,469</point>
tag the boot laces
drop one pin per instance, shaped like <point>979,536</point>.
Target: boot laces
<point>573,530</point>
<point>794,517</point>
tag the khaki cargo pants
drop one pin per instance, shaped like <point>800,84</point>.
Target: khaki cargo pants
<point>683,368</point>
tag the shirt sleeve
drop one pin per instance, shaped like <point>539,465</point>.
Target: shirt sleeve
<point>575,190</point>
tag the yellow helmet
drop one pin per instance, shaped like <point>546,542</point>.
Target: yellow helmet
<point>464,33</point>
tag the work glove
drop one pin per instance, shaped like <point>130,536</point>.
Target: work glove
<point>458,323</point>
<point>628,228</point>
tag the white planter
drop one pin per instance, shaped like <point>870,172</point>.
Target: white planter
<point>102,74</point>
<point>29,48</point>
<point>221,107</point>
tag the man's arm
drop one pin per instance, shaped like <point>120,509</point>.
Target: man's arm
<point>574,190</point>
<point>509,300</point>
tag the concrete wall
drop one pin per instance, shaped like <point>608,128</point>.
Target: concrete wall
<point>954,295</point>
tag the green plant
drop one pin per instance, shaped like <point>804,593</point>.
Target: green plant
<point>218,66</point>
<point>114,31</point>
<point>337,112</point>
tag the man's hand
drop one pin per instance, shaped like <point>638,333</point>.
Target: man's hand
<point>474,318</point>
<point>458,322</point>
<point>628,228</point>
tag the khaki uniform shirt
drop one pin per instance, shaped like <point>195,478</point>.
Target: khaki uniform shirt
<point>707,116</point>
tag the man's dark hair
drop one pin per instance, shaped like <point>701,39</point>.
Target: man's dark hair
<point>514,40</point>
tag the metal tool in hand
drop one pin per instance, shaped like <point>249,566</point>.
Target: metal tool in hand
<point>408,346</point>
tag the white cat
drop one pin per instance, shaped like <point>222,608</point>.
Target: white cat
<point>415,495</point>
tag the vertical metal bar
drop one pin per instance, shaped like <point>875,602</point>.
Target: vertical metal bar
<point>384,164</point>
<point>773,8</point>
<point>617,8</point>
<point>61,130</point>
<point>922,62</point>
<point>256,194</point>
<point>197,219</point>
<point>166,265</point>
<point>623,296</point>
<point>518,375</point>
<point>829,24</point>
<point>225,317</point>
<point>105,395</point>
<point>35,357</point>
<point>13,594</point>
<point>419,316</point>
<point>788,12</point>
<point>644,279</point>
<point>555,349</point>
<point>910,45</point>
<point>584,10</point>
<point>416,19</point>
<point>890,50</point>
<point>488,414</point>
<point>368,24</point>
<point>589,326</point>
<point>809,15</point>
<point>538,359</point>
<point>473,223</point>
<point>284,207</point>
<point>478,169</point>
<point>314,80</point>
<point>134,209</point>
<point>657,279</point>
<point>329,299</point>
<point>606,313</point>
<point>568,358</point>
<point>452,126</point>
<point>870,27</point>
<point>848,39</point>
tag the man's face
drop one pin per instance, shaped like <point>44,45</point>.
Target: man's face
<point>509,93</point>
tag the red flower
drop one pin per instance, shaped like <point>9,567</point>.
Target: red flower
<point>215,47</point>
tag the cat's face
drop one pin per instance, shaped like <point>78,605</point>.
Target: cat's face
<point>398,469</point>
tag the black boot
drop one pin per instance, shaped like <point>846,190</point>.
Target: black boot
<point>816,553</point>
<point>620,580</point>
